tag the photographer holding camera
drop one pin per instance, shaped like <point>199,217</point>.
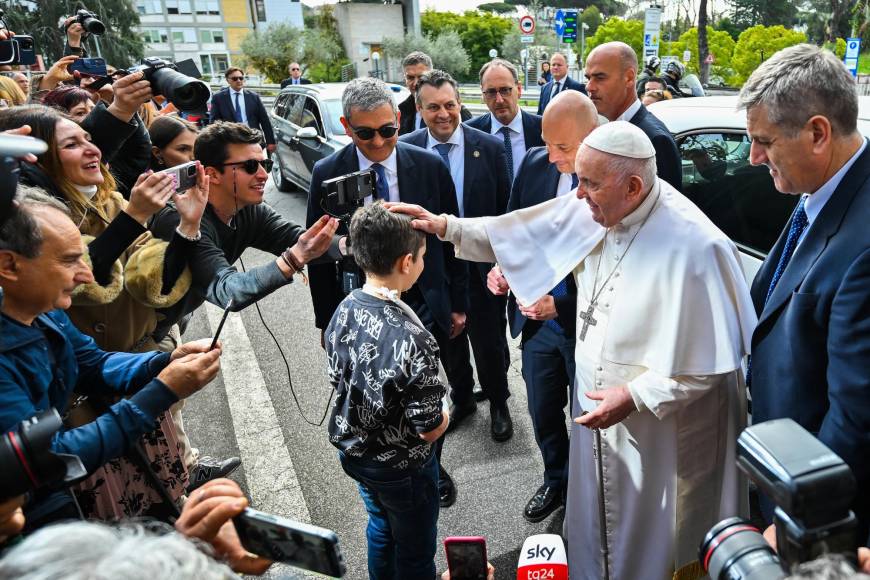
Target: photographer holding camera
<point>77,28</point>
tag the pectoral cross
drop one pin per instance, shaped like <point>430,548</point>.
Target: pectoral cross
<point>588,320</point>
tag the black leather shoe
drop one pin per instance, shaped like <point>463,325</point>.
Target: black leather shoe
<point>460,412</point>
<point>479,394</point>
<point>502,427</point>
<point>446,488</point>
<point>545,501</point>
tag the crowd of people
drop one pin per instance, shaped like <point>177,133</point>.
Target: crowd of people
<point>565,228</point>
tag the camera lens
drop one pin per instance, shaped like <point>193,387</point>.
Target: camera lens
<point>191,171</point>
<point>92,25</point>
<point>25,458</point>
<point>186,93</point>
<point>735,550</point>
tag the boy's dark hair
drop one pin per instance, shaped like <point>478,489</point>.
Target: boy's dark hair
<point>210,148</point>
<point>379,237</point>
<point>231,70</point>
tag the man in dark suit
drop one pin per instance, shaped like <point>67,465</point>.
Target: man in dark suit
<point>405,173</point>
<point>811,348</point>
<point>518,130</point>
<point>478,165</point>
<point>561,82</point>
<point>295,76</point>
<point>414,66</point>
<point>547,326</point>
<point>237,105</point>
<point>611,71</point>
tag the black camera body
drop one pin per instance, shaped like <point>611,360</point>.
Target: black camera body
<point>89,21</point>
<point>186,93</point>
<point>344,194</point>
<point>812,488</point>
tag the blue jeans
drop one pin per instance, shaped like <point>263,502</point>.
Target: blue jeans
<point>403,517</point>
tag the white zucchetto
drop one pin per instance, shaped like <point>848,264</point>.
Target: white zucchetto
<point>621,138</point>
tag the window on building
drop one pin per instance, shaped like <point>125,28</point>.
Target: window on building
<point>208,7</point>
<point>205,64</point>
<point>211,35</point>
<point>221,63</point>
<point>155,35</point>
<point>178,7</point>
<point>149,7</point>
<point>261,10</point>
<point>183,35</point>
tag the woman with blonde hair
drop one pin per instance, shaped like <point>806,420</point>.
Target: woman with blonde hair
<point>11,94</point>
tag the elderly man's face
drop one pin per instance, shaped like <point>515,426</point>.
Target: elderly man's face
<point>497,80</point>
<point>440,109</point>
<point>607,83</point>
<point>787,158</point>
<point>295,70</point>
<point>609,197</point>
<point>558,67</point>
<point>412,73</point>
<point>378,148</point>
<point>23,82</point>
<point>47,281</point>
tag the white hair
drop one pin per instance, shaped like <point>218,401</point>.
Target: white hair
<point>625,167</point>
<point>366,94</point>
<point>93,551</point>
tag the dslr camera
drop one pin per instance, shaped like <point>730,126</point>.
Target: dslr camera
<point>812,488</point>
<point>186,93</point>
<point>89,21</point>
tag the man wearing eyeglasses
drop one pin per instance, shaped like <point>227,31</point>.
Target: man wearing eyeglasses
<point>295,76</point>
<point>478,166</point>
<point>236,219</point>
<point>237,105</point>
<point>415,65</point>
<point>404,172</point>
<point>518,130</point>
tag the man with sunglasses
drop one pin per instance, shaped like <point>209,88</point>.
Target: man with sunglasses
<point>405,172</point>
<point>236,219</point>
<point>519,130</point>
<point>236,104</point>
<point>478,165</point>
<point>295,76</point>
<point>414,66</point>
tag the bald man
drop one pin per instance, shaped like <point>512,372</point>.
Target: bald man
<point>547,326</point>
<point>562,81</point>
<point>611,74</point>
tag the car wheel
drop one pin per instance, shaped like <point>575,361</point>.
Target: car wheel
<point>278,176</point>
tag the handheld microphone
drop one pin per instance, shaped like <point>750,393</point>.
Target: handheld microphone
<point>543,557</point>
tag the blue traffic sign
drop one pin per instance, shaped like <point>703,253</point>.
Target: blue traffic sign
<point>559,23</point>
<point>853,49</point>
<point>569,31</point>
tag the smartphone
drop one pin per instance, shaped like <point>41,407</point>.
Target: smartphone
<point>92,67</point>
<point>18,50</point>
<point>301,545</point>
<point>221,325</point>
<point>184,176</point>
<point>466,557</point>
<point>21,145</point>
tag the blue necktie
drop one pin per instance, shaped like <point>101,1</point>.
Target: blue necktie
<point>382,188</point>
<point>238,111</point>
<point>574,181</point>
<point>799,222</point>
<point>555,89</point>
<point>443,150</point>
<point>509,150</point>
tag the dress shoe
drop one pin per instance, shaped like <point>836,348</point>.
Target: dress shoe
<point>545,501</point>
<point>479,394</point>
<point>502,427</point>
<point>446,489</point>
<point>460,412</point>
<point>207,468</point>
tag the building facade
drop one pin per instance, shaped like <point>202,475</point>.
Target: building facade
<point>209,31</point>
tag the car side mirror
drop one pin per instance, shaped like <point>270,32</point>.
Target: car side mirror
<point>307,133</point>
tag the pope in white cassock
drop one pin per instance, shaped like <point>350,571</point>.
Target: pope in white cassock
<point>664,322</point>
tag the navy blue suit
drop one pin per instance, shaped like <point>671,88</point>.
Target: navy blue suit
<point>222,109</point>
<point>668,164</point>
<point>567,84</point>
<point>531,127</point>
<point>548,356</point>
<point>486,188</point>
<point>425,181</point>
<point>811,348</point>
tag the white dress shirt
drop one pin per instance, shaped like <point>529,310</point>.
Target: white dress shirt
<point>456,155</point>
<point>241,104</point>
<point>631,111</point>
<point>391,169</point>
<point>564,187</point>
<point>518,138</point>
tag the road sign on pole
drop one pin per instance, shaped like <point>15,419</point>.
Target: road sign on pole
<point>569,32</point>
<point>853,49</point>
<point>527,24</point>
<point>652,25</point>
<point>559,22</point>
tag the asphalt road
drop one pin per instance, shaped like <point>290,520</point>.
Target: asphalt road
<point>268,416</point>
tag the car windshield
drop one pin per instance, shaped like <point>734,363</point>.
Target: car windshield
<point>333,116</point>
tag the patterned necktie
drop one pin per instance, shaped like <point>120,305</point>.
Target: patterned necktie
<point>382,188</point>
<point>509,150</point>
<point>799,223</point>
<point>443,150</point>
<point>555,89</point>
<point>238,111</point>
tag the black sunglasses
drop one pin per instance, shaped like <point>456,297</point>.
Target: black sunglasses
<point>367,133</point>
<point>252,165</point>
<point>237,78</point>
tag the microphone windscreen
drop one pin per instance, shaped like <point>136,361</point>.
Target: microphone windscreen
<point>543,557</point>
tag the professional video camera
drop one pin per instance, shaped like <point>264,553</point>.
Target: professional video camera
<point>89,21</point>
<point>812,488</point>
<point>185,92</point>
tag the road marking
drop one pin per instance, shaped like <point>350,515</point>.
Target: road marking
<point>269,470</point>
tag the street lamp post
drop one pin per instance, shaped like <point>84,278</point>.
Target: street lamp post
<point>376,56</point>
<point>583,28</point>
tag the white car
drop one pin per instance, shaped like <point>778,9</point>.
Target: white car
<point>717,176</point>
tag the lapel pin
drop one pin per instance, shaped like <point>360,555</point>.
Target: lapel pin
<point>476,153</point>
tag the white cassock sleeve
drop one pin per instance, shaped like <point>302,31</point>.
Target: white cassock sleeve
<point>663,396</point>
<point>470,238</point>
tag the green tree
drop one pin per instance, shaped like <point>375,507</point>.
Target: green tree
<point>721,46</point>
<point>445,50</point>
<point>273,49</point>
<point>614,28</point>
<point>838,47</point>
<point>497,7</point>
<point>746,13</point>
<point>754,42</point>
<point>592,18</point>
<point>478,33</point>
<point>121,45</point>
